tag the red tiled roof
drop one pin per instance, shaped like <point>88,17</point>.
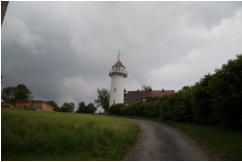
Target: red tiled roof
<point>157,93</point>
<point>137,96</point>
<point>29,101</point>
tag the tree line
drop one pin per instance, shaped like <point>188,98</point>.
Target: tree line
<point>102,100</point>
<point>70,106</point>
<point>215,100</point>
<point>20,92</point>
<point>11,94</point>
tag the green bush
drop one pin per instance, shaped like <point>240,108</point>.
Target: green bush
<point>116,109</point>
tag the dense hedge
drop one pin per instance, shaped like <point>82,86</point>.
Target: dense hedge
<point>214,100</point>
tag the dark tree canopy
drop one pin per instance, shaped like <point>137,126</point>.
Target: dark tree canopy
<point>20,92</point>
<point>68,107</point>
<point>90,108</point>
<point>146,88</point>
<point>103,98</point>
<point>8,94</point>
<point>81,107</point>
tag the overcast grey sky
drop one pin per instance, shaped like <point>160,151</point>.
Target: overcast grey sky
<point>63,51</point>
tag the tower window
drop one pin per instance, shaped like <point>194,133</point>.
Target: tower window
<point>115,90</point>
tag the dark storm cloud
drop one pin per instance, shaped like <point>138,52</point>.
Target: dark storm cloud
<point>64,50</point>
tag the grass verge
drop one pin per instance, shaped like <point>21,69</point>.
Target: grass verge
<point>32,135</point>
<point>219,143</point>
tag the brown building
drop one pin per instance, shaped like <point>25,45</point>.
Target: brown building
<point>138,96</point>
<point>30,104</point>
<point>7,105</point>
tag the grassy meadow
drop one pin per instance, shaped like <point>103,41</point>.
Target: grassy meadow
<point>32,135</point>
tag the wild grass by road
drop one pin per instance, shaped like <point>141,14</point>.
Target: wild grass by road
<point>31,135</point>
<point>221,144</point>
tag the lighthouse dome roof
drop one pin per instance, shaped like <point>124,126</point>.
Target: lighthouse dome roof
<point>118,63</point>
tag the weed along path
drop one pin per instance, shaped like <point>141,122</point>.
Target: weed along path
<point>161,142</point>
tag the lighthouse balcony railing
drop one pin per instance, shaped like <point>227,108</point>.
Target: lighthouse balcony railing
<point>125,72</point>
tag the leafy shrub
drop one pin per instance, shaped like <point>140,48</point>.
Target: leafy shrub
<point>116,109</point>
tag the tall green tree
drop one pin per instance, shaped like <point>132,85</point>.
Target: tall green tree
<point>91,108</point>
<point>8,94</point>
<point>226,94</point>
<point>103,98</point>
<point>22,92</point>
<point>68,107</point>
<point>146,88</point>
<point>81,107</point>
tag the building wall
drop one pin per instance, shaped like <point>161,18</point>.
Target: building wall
<point>7,105</point>
<point>35,105</point>
<point>22,104</point>
<point>138,96</point>
<point>117,89</point>
<point>46,107</point>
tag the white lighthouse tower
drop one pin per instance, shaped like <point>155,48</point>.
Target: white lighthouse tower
<point>117,74</point>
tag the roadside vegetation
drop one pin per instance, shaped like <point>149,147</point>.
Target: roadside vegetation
<point>219,143</point>
<point>32,135</point>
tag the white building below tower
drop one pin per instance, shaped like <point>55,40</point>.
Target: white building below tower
<point>118,75</point>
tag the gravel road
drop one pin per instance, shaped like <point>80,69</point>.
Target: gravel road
<point>163,143</point>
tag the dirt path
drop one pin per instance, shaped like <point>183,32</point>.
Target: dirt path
<point>161,142</point>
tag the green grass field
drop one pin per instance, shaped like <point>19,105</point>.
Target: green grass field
<point>221,144</point>
<point>32,135</point>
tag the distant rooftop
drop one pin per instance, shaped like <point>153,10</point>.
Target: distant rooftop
<point>139,95</point>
